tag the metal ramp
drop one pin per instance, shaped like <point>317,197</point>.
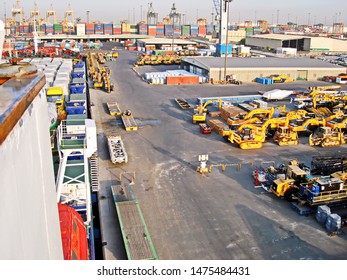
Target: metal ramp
<point>94,172</point>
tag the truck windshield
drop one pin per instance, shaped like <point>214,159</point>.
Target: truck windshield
<point>53,98</point>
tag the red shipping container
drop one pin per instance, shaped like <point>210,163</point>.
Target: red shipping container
<point>182,80</point>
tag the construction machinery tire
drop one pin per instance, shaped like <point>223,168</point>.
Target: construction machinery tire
<point>290,194</point>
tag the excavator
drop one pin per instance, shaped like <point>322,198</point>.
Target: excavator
<point>285,136</point>
<point>298,114</point>
<point>326,137</point>
<point>342,125</point>
<point>257,114</point>
<point>302,126</point>
<point>250,136</point>
<point>236,122</point>
<point>200,111</point>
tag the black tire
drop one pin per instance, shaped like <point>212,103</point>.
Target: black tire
<point>290,194</point>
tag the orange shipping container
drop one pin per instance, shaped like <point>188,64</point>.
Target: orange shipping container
<point>182,80</point>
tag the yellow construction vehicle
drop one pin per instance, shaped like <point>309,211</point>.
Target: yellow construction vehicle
<point>288,187</point>
<point>115,54</point>
<point>305,125</point>
<point>200,111</point>
<point>280,78</point>
<point>248,138</point>
<point>236,122</point>
<point>285,136</point>
<point>101,58</point>
<point>251,136</point>
<point>337,125</point>
<point>332,87</point>
<point>326,137</point>
<point>299,114</point>
<point>265,112</point>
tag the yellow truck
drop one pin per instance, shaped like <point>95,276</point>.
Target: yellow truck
<point>56,95</point>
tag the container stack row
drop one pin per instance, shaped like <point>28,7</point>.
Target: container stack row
<point>158,30</point>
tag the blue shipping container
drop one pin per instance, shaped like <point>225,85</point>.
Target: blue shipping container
<point>221,49</point>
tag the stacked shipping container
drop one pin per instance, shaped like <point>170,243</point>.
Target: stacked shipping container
<point>58,28</point>
<point>117,28</point>
<point>142,29</point>
<point>90,29</point>
<point>168,29</point>
<point>108,28</point>
<point>160,30</point>
<point>80,29</point>
<point>152,30</point>
<point>49,29</point>
<point>125,28</point>
<point>202,30</point>
<point>186,30</point>
<point>133,29</point>
<point>194,30</point>
<point>99,28</point>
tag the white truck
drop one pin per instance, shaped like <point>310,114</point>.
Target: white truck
<point>116,149</point>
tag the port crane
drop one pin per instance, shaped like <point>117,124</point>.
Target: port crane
<point>17,10</point>
<point>51,14</point>
<point>221,7</point>
<point>151,14</point>
<point>175,16</point>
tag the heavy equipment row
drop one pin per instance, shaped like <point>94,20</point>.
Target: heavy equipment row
<point>99,75</point>
<point>250,129</point>
<point>158,60</point>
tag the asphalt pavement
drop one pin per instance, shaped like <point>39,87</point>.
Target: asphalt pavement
<point>189,216</point>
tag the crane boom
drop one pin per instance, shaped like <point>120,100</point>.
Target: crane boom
<point>217,6</point>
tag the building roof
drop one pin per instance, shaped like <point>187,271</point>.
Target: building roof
<point>167,41</point>
<point>267,62</point>
<point>282,37</point>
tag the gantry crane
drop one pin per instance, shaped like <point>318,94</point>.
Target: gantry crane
<point>69,20</point>
<point>17,10</point>
<point>35,16</point>
<point>152,15</point>
<point>175,16</point>
<point>51,14</point>
<point>69,15</point>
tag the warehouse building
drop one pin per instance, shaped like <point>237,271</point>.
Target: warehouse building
<point>301,43</point>
<point>247,69</point>
<point>164,44</point>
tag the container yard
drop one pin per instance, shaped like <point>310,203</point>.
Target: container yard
<point>166,141</point>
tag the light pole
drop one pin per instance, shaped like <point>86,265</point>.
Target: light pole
<point>227,4</point>
<point>88,23</point>
<point>141,12</point>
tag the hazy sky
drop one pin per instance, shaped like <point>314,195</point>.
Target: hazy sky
<point>300,11</point>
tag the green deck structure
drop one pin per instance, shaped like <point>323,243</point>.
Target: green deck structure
<point>137,241</point>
